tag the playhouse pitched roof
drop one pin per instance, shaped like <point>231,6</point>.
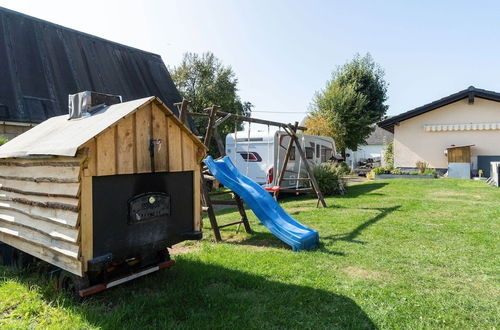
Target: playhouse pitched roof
<point>41,63</point>
<point>59,136</point>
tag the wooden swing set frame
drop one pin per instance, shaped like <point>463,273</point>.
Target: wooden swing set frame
<point>217,117</point>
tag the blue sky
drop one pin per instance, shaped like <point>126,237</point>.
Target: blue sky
<point>284,51</point>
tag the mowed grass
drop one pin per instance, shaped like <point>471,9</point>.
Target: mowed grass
<point>393,254</point>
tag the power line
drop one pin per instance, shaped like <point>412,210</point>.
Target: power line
<point>280,111</point>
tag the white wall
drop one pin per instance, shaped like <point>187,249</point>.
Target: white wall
<point>412,143</point>
<point>364,152</point>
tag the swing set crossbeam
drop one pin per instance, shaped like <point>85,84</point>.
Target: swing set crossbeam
<point>246,119</point>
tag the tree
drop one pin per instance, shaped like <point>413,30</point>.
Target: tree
<point>205,81</point>
<point>352,101</point>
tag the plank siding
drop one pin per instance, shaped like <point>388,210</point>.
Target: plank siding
<point>55,172</point>
<point>188,154</point>
<point>174,146</point>
<point>36,236</point>
<point>125,146</point>
<point>58,216</point>
<point>44,253</point>
<point>48,227</point>
<point>72,201</point>
<point>143,137</point>
<point>106,153</point>
<point>160,133</point>
<point>40,188</point>
<point>86,221</point>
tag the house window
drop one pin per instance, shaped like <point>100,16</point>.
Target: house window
<point>317,150</point>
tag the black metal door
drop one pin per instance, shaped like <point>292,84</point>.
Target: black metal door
<point>137,213</point>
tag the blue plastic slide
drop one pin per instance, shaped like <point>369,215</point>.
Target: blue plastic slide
<point>283,226</point>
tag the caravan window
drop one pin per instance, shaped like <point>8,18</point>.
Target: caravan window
<point>309,152</point>
<point>326,154</point>
<point>251,156</point>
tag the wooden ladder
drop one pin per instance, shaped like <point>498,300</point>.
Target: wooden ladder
<point>208,202</point>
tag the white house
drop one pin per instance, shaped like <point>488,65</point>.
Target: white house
<point>469,118</point>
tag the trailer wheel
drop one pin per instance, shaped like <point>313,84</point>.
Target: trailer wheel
<point>10,256</point>
<point>3,255</point>
<point>22,260</point>
<point>71,283</point>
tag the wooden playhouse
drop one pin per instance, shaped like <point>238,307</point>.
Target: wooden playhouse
<point>109,190</point>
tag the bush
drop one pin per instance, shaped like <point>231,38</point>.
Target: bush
<point>344,168</point>
<point>397,171</point>
<point>379,170</point>
<point>389,154</point>
<point>430,172</point>
<point>330,178</point>
<point>3,140</point>
<point>422,166</point>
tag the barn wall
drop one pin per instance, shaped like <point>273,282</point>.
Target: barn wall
<point>11,130</point>
<point>39,202</point>
<point>124,149</point>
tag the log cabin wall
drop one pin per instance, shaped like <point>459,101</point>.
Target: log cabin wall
<point>124,149</point>
<point>39,209</point>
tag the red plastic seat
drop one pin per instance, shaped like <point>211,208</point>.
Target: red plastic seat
<point>275,188</point>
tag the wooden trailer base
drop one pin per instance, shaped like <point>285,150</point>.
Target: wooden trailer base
<point>101,287</point>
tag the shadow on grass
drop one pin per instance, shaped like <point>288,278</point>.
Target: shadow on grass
<point>352,235</point>
<point>199,295</point>
<point>363,189</point>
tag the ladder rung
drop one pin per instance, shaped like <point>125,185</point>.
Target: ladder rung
<point>222,202</point>
<point>231,224</point>
<point>204,208</point>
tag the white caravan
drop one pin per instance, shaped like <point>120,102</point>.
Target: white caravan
<point>260,155</point>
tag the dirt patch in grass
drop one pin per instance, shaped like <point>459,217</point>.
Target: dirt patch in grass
<point>362,273</point>
<point>182,249</point>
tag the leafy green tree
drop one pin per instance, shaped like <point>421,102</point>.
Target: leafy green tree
<point>351,102</point>
<point>205,81</point>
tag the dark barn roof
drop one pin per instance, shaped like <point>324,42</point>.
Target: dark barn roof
<point>469,93</point>
<point>41,63</point>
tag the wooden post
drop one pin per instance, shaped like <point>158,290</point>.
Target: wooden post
<point>285,161</point>
<point>210,126</point>
<point>220,144</point>
<point>210,210</point>
<point>243,214</point>
<point>306,165</point>
<point>182,108</point>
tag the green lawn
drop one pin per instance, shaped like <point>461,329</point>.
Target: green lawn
<point>394,254</point>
